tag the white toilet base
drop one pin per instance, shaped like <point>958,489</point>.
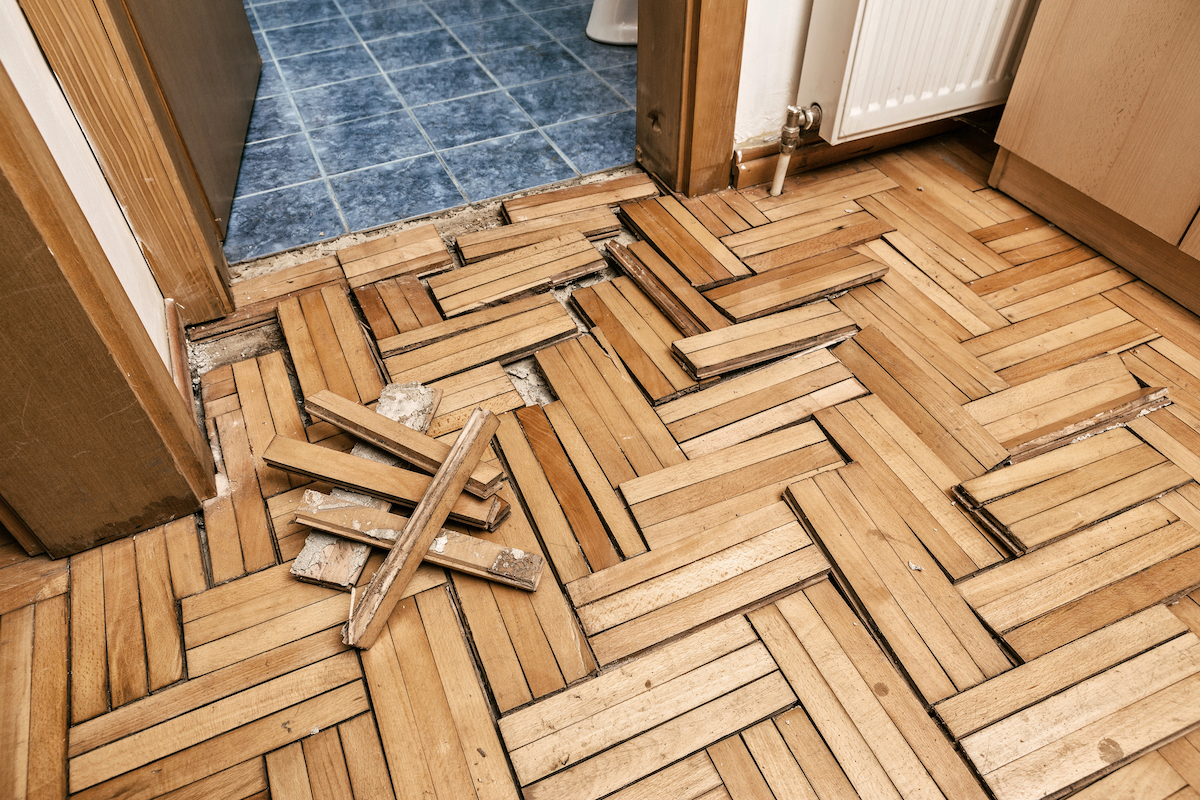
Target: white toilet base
<point>613,22</point>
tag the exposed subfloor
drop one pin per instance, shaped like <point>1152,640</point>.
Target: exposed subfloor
<point>881,488</point>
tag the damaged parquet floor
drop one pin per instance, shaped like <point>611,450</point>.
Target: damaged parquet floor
<point>881,488</point>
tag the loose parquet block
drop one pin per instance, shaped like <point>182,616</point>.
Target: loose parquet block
<point>639,333</point>
<point>1050,496</point>
<point>328,348</point>
<point>713,489</point>
<point>795,284</point>
<point>1050,282</point>
<point>256,299</point>
<point>1064,405</point>
<point>687,309</point>
<point>30,580</point>
<point>508,332</point>
<point>438,736</point>
<point>1092,727</point>
<point>268,408</point>
<point>247,519</point>
<point>396,305</point>
<point>1059,338</point>
<point>515,273</point>
<point>752,241</point>
<point>932,631</point>
<point>953,435</point>
<point>875,726</point>
<point>749,343</point>
<point>590,223</point>
<point>684,242</point>
<point>418,251</point>
<point>821,189</point>
<point>665,709</point>
<point>806,244</point>
<point>1171,320</point>
<point>619,426</point>
<point>772,397</point>
<point>1161,362</point>
<point>487,387</point>
<point>677,588</point>
<point>591,195</point>
<point>918,175</point>
<point>218,391</point>
<point>1175,434</point>
<point>914,480</point>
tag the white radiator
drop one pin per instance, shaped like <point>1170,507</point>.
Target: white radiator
<point>878,65</point>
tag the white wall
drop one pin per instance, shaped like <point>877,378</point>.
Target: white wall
<point>25,65</point>
<point>776,31</point>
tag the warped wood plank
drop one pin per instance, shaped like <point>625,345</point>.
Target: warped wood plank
<point>418,251</point>
<point>611,192</point>
<point>591,223</point>
<point>683,241</point>
<point>515,273</point>
<point>662,283</point>
<point>749,343</point>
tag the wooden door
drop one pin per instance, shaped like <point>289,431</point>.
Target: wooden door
<point>206,64</point>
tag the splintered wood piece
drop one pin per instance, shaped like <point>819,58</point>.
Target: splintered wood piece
<point>516,273</point>
<point>505,333</point>
<point>417,251</point>
<point>611,192</point>
<point>469,554</point>
<point>796,284</point>
<point>749,343</point>
<point>378,480</point>
<point>397,438</point>
<point>381,595</point>
<point>591,223</point>
<point>687,309</point>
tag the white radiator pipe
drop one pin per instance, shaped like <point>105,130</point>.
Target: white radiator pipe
<point>798,119</point>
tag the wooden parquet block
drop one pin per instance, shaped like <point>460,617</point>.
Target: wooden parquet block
<point>658,709</point>
<point>639,333</point>
<point>1161,362</point>
<point>396,305</point>
<point>218,391</point>
<point>749,343</point>
<point>1059,338</point>
<point>30,580</point>
<point>795,284</point>
<point>939,186</point>
<point>679,587</point>
<point>1064,405</point>
<point>821,188</point>
<point>328,346</point>
<point>487,386</point>
<point>1150,777</point>
<point>418,251</point>
<point>592,195</point>
<point>807,236</point>
<point>268,408</point>
<point>687,309</point>
<point>1066,490</point>
<point>863,708</point>
<point>256,299</point>
<point>590,223</point>
<point>684,242</point>
<point>772,397</point>
<point>710,490</point>
<point>515,273</point>
<point>933,632</point>
<point>504,333</point>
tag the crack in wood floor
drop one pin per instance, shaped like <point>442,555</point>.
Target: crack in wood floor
<point>881,488</point>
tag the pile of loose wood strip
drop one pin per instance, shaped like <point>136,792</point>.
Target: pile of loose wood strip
<point>880,488</point>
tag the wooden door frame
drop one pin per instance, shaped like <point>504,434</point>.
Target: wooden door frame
<point>689,66</point>
<point>129,388</point>
<point>94,51</point>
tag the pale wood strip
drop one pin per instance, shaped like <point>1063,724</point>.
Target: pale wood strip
<point>743,207</point>
<point>821,769</point>
<point>692,778</point>
<point>123,624</point>
<point>1078,279</point>
<point>417,251</point>
<point>30,580</point>
<point>309,372</point>
<point>1174,435</point>
<point>783,775</point>
<point>329,352</point>
<point>854,186</point>
<point>1035,277</point>
<point>350,337</point>
<point>1147,778</point>
<point>260,427</point>
<point>497,648</point>
<point>491,243</point>
<point>49,700</point>
<point>364,758</point>
<point>1004,695</point>
<point>1184,757</point>
<point>737,769</point>
<point>379,317</point>
<point>705,216</point>
<point>406,298</point>
<point>287,773</point>
<point>487,387</point>
<point>245,781</point>
<point>16,665</point>
<point>784,229</point>
<point>724,212</point>
<point>667,743</point>
<point>433,332</point>
<point>857,232</point>
<point>839,731</point>
<point>593,195</point>
<point>908,171</point>
<point>913,211</point>
<point>229,749</point>
<point>164,652</point>
<point>258,551</point>
<point>1160,312</point>
<point>273,285</point>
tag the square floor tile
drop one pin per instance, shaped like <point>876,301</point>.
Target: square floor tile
<point>342,102</point>
<point>565,99</point>
<point>276,163</point>
<point>500,34</point>
<point>327,66</point>
<point>565,22</point>
<point>471,119</point>
<point>367,142</point>
<point>272,117</point>
<point>445,80</point>
<point>623,79</point>
<point>260,42</point>
<point>285,218</point>
<point>413,50</point>
<point>311,36</point>
<point>454,12</point>
<point>537,62</point>
<point>295,12</point>
<point>600,56</point>
<point>393,21</point>
<point>269,82</point>
<point>379,195</point>
<point>500,166</point>
<point>597,143</point>
<point>352,7</point>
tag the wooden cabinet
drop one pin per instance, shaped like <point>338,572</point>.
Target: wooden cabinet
<point>1101,134</point>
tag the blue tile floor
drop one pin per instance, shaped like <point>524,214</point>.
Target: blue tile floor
<point>373,111</point>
